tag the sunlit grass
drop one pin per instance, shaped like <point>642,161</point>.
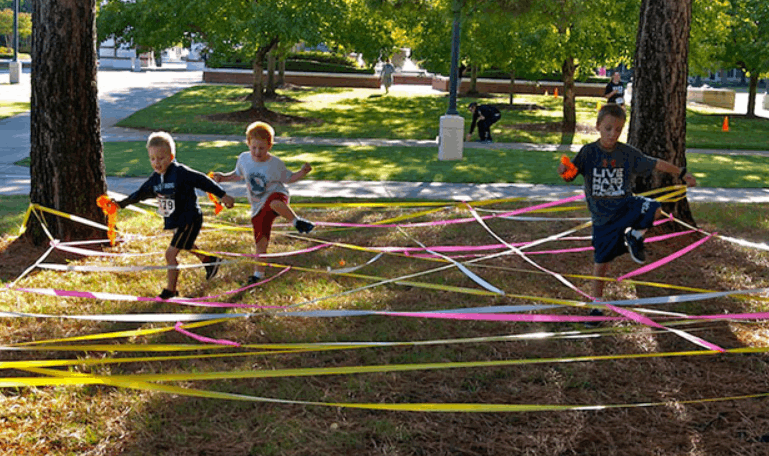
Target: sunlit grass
<point>10,109</point>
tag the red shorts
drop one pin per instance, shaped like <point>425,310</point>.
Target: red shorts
<point>262,222</point>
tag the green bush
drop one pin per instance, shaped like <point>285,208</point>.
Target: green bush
<point>318,62</point>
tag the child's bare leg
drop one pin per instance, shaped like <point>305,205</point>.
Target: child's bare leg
<point>261,249</point>
<point>173,274</point>
<point>202,257</point>
<point>599,270</point>
<point>283,209</point>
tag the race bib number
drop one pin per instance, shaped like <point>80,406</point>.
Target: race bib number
<point>166,206</point>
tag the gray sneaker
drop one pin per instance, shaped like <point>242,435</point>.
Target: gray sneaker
<point>636,247</point>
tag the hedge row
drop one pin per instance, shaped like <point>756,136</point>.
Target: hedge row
<point>318,62</point>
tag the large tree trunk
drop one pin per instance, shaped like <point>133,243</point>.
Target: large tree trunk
<point>67,163</point>
<point>658,115</point>
<point>753,88</point>
<point>568,69</point>
<point>270,92</point>
<point>257,96</point>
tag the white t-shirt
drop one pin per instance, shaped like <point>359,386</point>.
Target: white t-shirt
<point>262,178</point>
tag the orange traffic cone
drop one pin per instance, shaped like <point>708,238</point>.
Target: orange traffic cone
<point>555,94</point>
<point>725,126</point>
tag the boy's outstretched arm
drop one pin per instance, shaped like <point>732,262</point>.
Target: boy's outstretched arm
<point>305,170</point>
<point>674,170</point>
<point>225,177</point>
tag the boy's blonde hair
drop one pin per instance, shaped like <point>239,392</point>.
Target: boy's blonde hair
<point>162,139</point>
<point>260,130</point>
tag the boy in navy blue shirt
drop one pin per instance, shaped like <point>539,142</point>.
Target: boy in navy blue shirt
<point>174,184</point>
<point>620,218</point>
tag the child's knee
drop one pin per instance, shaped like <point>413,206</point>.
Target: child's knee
<point>171,254</point>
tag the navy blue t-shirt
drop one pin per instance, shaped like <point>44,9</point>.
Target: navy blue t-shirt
<point>609,177</point>
<point>175,191</point>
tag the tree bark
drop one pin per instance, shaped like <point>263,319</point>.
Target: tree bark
<point>568,70</point>
<point>270,92</point>
<point>512,86</point>
<point>658,112</point>
<point>67,162</point>
<point>257,96</point>
<point>753,88</point>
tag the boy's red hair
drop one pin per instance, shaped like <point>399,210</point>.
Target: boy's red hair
<point>260,130</point>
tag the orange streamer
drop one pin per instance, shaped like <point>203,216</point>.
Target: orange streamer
<point>217,205</point>
<point>571,170</point>
<point>109,208</point>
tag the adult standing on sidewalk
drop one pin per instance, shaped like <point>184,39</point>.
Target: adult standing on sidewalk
<point>615,90</point>
<point>485,116</point>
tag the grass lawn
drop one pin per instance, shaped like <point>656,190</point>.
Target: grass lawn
<point>366,113</point>
<point>355,113</point>
<point>10,109</point>
<point>421,164</point>
<point>420,366</point>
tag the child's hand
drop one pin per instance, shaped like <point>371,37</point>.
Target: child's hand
<point>690,180</point>
<point>228,201</point>
<point>306,168</point>
<point>566,169</point>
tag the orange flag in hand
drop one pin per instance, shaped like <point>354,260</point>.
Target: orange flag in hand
<point>217,205</point>
<point>571,170</point>
<point>109,208</point>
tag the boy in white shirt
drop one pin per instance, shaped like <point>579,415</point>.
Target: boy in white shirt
<point>265,176</point>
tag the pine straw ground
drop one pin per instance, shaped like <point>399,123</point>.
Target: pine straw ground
<point>100,420</point>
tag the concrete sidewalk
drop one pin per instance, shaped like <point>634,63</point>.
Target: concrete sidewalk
<point>122,93</point>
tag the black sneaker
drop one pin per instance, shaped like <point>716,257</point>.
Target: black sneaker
<point>303,226</point>
<point>252,279</point>
<point>168,294</point>
<point>636,247</point>
<point>594,313</point>
<point>212,266</point>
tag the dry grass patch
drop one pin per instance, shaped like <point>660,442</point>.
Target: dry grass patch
<point>107,420</point>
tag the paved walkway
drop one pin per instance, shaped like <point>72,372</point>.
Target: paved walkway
<point>123,92</point>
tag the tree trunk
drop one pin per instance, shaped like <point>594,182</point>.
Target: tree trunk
<point>512,86</point>
<point>257,95</point>
<point>753,88</point>
<point>67,163</point>
<point>270,92</point>
<point>568,69</point>
<point>658,116</point>
<point>473,80</point>
<point>282,72</point>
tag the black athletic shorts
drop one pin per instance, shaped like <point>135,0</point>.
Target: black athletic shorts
<point>185,236</point>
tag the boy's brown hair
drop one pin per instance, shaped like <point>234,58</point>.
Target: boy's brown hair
<point>164,140</point>
<point>260,130</point>
<point>613,110</point>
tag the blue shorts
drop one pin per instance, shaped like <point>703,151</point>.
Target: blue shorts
<point>609,239</point>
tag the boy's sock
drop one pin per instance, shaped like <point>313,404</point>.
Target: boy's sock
<point>638,233</point>
<point>212,266</point>
<point>302,225</point>
<point>256,277</point>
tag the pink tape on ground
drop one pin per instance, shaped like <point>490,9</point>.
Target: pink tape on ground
<point>178,328</point>
<point>665,260</point>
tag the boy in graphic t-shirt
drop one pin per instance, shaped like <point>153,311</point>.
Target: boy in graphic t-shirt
<point>620,218</point>
<point>265,176</point>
